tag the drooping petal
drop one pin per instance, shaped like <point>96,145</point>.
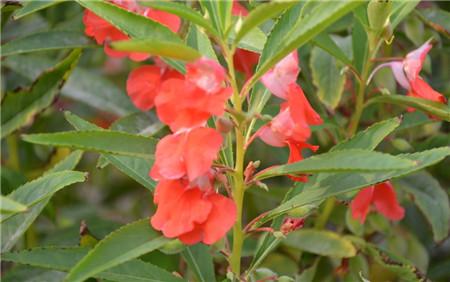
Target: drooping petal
<point>300,108</point>
<point>143,85</point>
<point>207,74</point>
<point>220,220</point>
<point>414,60</point>
<point>385,201</point>
<point>282,75</point>
<point>295,155</point>
<point>421,89</point>
<point>245,61</point>
<point>399,74</point>
<point>360,205</point>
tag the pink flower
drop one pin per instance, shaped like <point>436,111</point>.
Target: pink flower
<point>382,196</point>
<point>280,77</point>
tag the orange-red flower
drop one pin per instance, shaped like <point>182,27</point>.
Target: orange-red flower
<point>187,153</point>
<point>382,196</point>
<point>280,77</point>
<point>144,84</point>
<point>102,31</point>
<point>295,155</point>
<point>191,213</point>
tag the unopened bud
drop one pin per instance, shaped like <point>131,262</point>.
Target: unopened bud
<point>224,125</point>
<point>378,12</point>
<point>291,224</point>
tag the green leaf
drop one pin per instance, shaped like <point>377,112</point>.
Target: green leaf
<point>64,259</point>
<point>253,41</point>
<point>87,86</point>
<point>200,262</point>
<point>327,77</point>
<point>321,242</point>
<point>431,199</point>
<point>36,193</point>
<point>369,138</point>
<point>182,11</point>
<point>434,108</point>
<point>295,35</point>
<point>158,48</point>
<point>401,9</point>
<point>436,19</point>
<point>68,163</point>
<point>45,41</point>
<point>200,41</point>
<point>359,42</point>
<point>34,6</point>
<point>325,42</point>
<point>341,183</point>
<point>219,13</point>
<point>105,141</point>
<point>340,161</point>
<point>136,168</point>
<point>142,123</point>
<point>8,206</point>
<point>18,109</point>
<point>128,242</point>
<point>259,15</point>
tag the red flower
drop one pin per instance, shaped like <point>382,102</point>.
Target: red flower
<point>406,73</point>
<point>188,153</point>
<point>295,155</point>
<point>280,77</point>
<point>238,10</point>
<point>191,102</point>
<point>103,31</point>
<point>144,83</point>
<point>384,199</point>
<point>245,61</point>
<point>190,213</point>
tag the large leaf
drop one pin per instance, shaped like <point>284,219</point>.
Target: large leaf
<point>45,41</point>
<point>219,13</point>
<point>340,161</point>
<point>156,47</point>
<point>341,183</point>
<point>325,42</point>
<point>36,192</point>
<point>401,9</point>
<point>259,15</point>
<point>200,262</point>
<point>105,141</point>
<point>431,199</point>
<point>34,6</point>
<point>128,242</point>
<point>290,32</point>
<point>64,259</point>
<point>87,86</point>
<point>433,108</point>
<point>18,109</point>
<point>321,242</point>
<point>8,206</point>
<point>360,40</point>
<point>327,77</point>
<point>136,168</point>
<point>200,41</point>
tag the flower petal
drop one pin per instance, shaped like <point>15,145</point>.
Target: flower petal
<point>386,203</point>
<point>360,205</point>
<point>143,85</point>
<point>414,60</point>
<point>282,75</point>
<point>220,220</point>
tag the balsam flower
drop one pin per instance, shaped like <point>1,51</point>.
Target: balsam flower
<point>144,84</point>
<point>245,61</point>
<point>406,73</point>
<point>188,153</point>
<point>279,78</point>
<point>191,213</point>
<point>383,198</point>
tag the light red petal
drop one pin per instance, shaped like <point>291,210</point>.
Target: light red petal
<point>360,205</point>
<point>220,220</point>
<point>386,203</point>
<point>143,85</point>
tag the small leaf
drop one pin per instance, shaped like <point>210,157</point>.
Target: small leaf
<point>431,199</point>
<point>327,77</point>
<point>105,141</point>
<point>158,48</point>
<point>434,108</point>
<point>127,243</point>
<point>344,161</point>
<point>8,206</point>
<point>45,41</point>
<point>200,262</point>
<point>321,242</point>
<point>19,108</point>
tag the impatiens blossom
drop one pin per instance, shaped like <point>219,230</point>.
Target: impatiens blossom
<point>103,32</point>
<point>192,213</point>
<point>383,198</point>
<point>245,61</point>
<point>295,155</point>
<point>187,153</point>
<point>190,102</point>
<point>280,77</point>
<point>406,73</point>
<point>144,83</point>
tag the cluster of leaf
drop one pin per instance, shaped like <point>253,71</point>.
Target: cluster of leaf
<point>37,58</point>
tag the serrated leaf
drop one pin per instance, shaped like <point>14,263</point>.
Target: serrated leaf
<point>321,242</point>
<point>156,47</point>
<point>68,163</point>
<point>64,259</point>
<point>136,168</point>
<point>34,6</point>
<point>105,141</point>
<point>35,194</point>
<point>327,77</point>
<point>431,199</point>
<point>200,262</point>
<point>45,41</point>
<point>343,161</point>
<point>19,108</point>
<point>8,206</point>
<point>433,108</point>
<point>259,15</point>
<point>127,243</point>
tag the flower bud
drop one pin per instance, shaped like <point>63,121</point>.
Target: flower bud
<point>378,12</point>
<point>291,224</point>
<point>224,125</point>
